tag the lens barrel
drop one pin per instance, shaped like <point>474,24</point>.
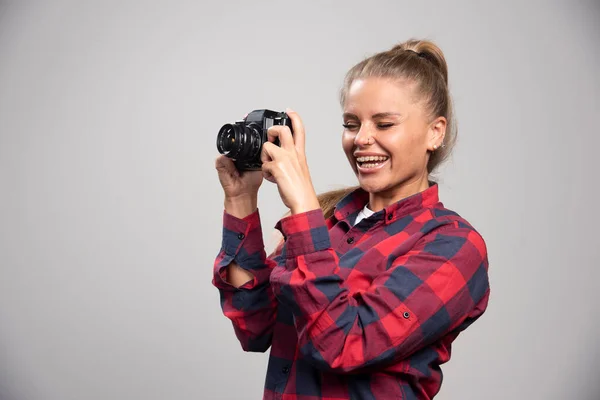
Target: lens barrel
<point>240,142</point>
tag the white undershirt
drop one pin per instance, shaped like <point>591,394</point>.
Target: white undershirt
<point>364,213</point>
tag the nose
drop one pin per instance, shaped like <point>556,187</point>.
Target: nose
<point>363,137</point>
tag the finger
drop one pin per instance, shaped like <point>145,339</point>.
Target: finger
<point>269,152</point>
<point>226,164</point>
<point>267,171</point>
<point>298,127</point>
<point>284,134</point>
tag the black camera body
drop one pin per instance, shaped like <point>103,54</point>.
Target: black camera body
<point>242,141</point>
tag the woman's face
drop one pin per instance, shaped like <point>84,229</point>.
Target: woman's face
<point>387,111</point>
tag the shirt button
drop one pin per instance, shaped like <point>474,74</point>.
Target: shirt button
<point>390,216</point>
<point>285,369</point>
<point>350,240</point>
<point>406,315</point>
<point>241,236</point>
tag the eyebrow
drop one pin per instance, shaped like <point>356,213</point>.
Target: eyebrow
<point>374,116</point>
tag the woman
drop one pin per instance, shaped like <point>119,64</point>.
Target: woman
<point>371,285</point>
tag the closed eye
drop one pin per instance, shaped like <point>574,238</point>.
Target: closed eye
<point>354,126</point>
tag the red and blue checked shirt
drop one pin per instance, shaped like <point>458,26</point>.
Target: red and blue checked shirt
<point>365,311</point>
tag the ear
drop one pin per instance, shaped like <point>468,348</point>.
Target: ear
<point>436,133</point>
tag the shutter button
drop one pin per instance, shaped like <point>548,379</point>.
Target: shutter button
<point>241,236</point>
<point>350,240</point>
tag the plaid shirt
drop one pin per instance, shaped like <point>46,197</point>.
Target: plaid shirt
<point>356,312</point>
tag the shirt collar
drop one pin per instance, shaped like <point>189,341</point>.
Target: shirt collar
<point>349,206</point>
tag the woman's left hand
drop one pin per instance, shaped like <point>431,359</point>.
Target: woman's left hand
<point>286,166</point>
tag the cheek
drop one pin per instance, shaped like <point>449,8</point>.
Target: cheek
<point>407,142</point>
<point>347,143</point>
<point>405,149</point>
<point>397,145</point>
<point>348,146</point>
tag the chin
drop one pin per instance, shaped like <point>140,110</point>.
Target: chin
<point>381,183</point>
<point>374,185</point>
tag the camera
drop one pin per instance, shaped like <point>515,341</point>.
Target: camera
<point>242,141</point>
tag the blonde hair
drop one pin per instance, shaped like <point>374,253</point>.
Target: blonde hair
<point>328,200</point>
<point>422,63</point>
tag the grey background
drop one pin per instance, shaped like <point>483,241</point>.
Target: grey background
<point>110,208</point>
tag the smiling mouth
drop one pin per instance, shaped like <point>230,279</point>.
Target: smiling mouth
<point>370,162</point>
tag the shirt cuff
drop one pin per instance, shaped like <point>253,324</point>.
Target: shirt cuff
<point>304,233</point>
<point>236,232</point>
<point>242,242</point>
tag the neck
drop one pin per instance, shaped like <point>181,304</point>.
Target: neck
<point>378,201</point>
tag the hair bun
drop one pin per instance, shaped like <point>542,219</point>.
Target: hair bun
<point>427,50</point>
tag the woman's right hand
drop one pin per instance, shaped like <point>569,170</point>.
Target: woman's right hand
<point>240,187</point>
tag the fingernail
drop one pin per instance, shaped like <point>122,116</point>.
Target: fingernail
<point>288,110</point>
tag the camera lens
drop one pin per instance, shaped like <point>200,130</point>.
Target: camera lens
<point>240,142</point>
<point>226,139</point>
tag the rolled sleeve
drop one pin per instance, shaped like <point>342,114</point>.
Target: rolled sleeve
<point>242,242</point>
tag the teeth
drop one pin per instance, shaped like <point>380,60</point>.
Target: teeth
<point>371,158</point>
<point>369,165</point>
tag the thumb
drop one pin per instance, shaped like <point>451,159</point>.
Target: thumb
<point>226,165</point>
